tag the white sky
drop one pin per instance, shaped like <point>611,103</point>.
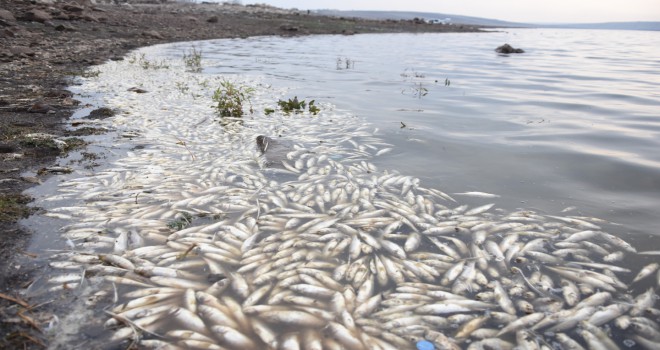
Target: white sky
<point>539,11</point>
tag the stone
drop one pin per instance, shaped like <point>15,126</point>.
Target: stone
<point>36,15</point>
<point>68,101</point>
<point>6,16</point>
<point>152,34</point>
<point>65,28</point>
<point>39,107</point>
<point>273,150</point>
<point>9,33</point>
<point>213,19</point>
<point>62,17</point>
<point>73,7</point>
<point>89,18</point>
<point>21,51</point>
<point>289,28</point>
<point>507,49</point>
<point>101,113</point>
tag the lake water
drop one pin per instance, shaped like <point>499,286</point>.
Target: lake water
<point>574,121</point>
<point>571,128</point>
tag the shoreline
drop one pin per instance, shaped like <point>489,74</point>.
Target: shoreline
<point>45,46</point>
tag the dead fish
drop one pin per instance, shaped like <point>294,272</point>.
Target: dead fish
<point>646,271</point>
<point>477,194</point>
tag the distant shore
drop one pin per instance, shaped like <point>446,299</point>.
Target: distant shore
<point>44,44</point>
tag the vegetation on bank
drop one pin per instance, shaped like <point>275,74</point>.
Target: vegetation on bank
<point>294,106</point>
<point>13,207</point>
<point>193,60</point>
<point>142,61</point>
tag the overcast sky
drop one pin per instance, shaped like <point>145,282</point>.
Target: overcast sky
<point>508,10</point>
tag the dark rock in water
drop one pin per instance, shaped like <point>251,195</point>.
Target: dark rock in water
<point>274,151</point>
<point>101,113</point>
<point>137,90</point>
<point>506,48</point>
<point>263,142</point>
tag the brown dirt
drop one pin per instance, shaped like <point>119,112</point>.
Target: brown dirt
<point>43,46</point>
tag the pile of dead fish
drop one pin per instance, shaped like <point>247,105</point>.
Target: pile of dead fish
<point>198,245</point>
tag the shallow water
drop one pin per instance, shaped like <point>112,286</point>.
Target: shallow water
<point>574,121</point>
<point>567,128</point>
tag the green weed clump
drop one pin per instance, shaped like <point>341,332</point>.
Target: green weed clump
<point>193,60</point>
<point>230,99</point>
<point>295,106</point>
<point>13,207</point>
<point>143,62</point>
<point>182,87</point>
<point>184,220</point>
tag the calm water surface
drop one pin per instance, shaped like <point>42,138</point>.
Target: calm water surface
<point>574,121</point>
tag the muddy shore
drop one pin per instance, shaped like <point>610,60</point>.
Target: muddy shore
<point>46,44</point>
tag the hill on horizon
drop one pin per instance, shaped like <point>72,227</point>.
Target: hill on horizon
<point>469,20</point>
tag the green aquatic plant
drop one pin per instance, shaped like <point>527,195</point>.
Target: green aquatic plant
<point>90,73</point>
<point>345,63</point>
<point>72,143</point>
<point>296,106</point>
<point>145,63</point>
<point>193,60</point>
<point>182,87</point>
<point>417,80</point>
<point>56,145</point>
<point>13,207</point>
<point>419,90</point>
<point>203,83</point>
<point>411,74</point>
<point>84,73</point>
<point>182,222</point>
<point>230,98</point>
